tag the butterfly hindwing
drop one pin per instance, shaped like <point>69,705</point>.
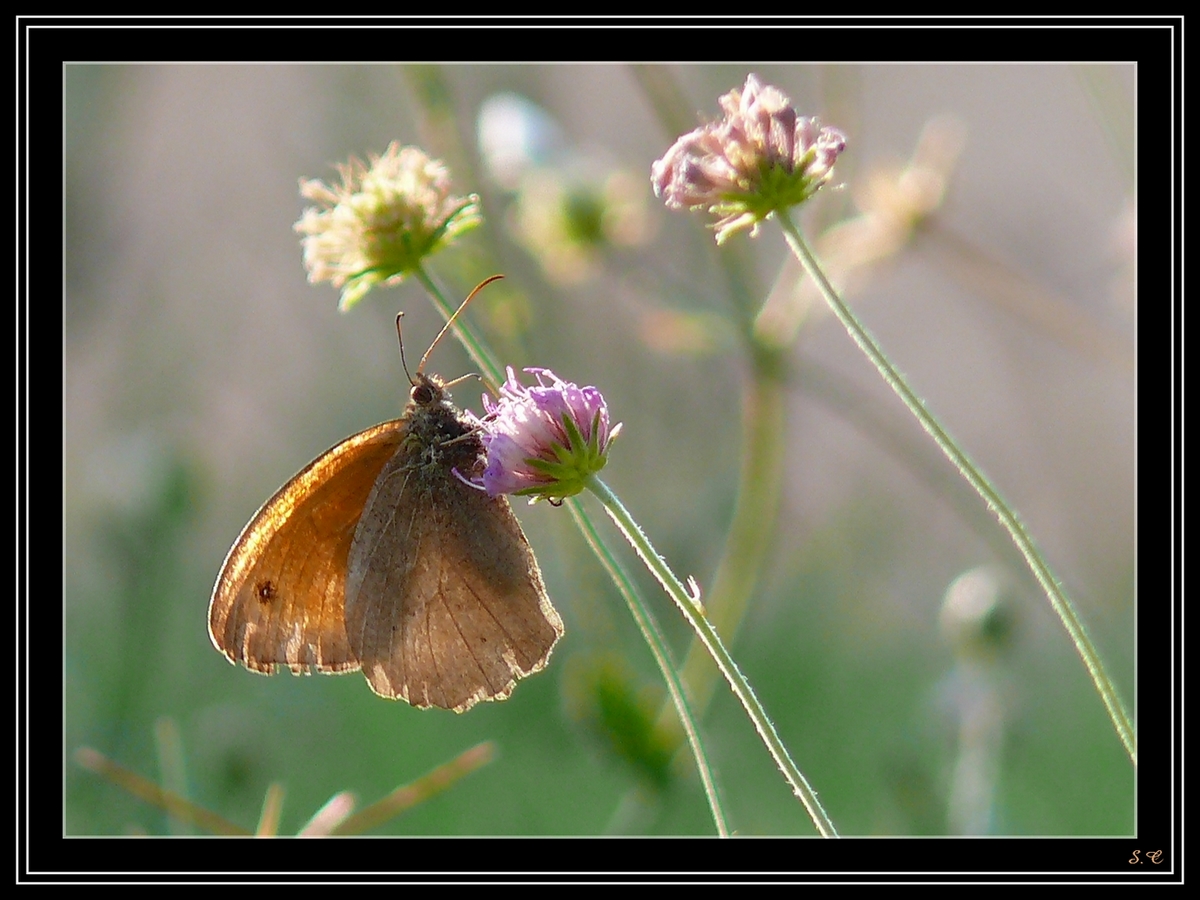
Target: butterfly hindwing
<point>445,605</point>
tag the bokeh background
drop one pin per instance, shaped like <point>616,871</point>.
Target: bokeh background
<point>202,371</point>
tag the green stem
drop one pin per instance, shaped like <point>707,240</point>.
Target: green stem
<point>658,646</point>
<point>695,616</point>
<point>1008,518</point>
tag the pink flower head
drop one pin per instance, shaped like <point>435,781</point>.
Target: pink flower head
<point>760,158</point>
<point>546,439</point>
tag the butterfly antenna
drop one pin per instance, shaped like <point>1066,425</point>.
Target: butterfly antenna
<point>400,338</point>
<point>450,322</point>
<point>461,378</point>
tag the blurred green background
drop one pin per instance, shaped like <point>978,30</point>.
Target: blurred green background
<point>202,371</point>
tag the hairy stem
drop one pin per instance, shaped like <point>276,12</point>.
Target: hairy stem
<point>1008,518</point>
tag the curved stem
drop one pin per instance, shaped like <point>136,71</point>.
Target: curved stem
<point>695,617</point>
<point>658,646</point>
<point>1008,518</point>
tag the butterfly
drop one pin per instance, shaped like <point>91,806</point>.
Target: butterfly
<point>380,556</point>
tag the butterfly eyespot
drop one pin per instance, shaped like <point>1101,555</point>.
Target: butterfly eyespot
<point>265,591</point>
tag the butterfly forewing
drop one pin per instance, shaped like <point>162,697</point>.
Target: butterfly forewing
<point>445,605</point>
<point>280,598</point>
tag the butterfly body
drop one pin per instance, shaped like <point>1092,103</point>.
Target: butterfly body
<point>378,556</point>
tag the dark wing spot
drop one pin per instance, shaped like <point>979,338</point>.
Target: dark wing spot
<point>265,591</point>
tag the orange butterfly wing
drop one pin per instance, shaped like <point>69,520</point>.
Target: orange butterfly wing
<point>280,597</point>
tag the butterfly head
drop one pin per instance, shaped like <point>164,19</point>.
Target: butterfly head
<point>427,391</point>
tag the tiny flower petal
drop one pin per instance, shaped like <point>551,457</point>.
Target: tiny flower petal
<point>760,158</point>
<point>544,440</point>
<point>381,221</point>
